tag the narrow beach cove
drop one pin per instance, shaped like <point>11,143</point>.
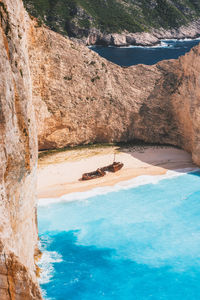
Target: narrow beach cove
<point>60,173</point>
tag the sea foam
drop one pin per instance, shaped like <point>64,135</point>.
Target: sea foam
<point>145,237</point>
<point>135,182</point>
<point>46,264</point>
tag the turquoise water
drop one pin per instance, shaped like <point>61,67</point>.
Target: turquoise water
<point>129,56</point>
<point>134,244</point>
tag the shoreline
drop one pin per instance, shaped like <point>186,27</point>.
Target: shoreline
<point>60,173</point>
<point>134,182</point>
<point>154,45</point>
<point>151,38</point>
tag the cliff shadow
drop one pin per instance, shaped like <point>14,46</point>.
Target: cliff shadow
<point>165,156</point>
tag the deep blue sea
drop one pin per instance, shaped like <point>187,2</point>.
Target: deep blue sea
<point>133,55</point>
<point>135,243</point>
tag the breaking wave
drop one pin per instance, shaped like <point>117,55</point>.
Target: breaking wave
<point>135,182</point>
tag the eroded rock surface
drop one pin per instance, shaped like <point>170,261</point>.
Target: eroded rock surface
<point>18,158</point>
<point>153,37</point>
<point>82,98</point>
<point>79,98</point>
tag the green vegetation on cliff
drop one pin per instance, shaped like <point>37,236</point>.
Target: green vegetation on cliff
<point>76,17</point>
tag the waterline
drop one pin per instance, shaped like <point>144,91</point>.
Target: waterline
<point>149,55</point>
<point>138,243</point>
<point>135,182</point>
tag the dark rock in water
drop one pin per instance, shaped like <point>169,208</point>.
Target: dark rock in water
<point>105,40</point>
<point>130,40</point>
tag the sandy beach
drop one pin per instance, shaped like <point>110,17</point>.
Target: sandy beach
<point>59,173</point>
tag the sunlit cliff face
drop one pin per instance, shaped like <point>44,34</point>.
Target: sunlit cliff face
<point>18,157</point>
<point>78,98</point>
<point>81,98</point>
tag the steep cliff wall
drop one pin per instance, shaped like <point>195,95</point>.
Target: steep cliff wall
<point>81,98</point>
<point>18,157</point>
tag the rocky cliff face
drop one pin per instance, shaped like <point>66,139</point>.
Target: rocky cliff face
<point>18,157</point>
<point>79,98</point>
<point>153,37</point>
<point>82,98</point>
<point>115,22</point>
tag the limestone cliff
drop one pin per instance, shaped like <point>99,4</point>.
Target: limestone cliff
<point>150,38</point>
<point>79,98</point>
<point>18,158</point>
<point>82,98</point>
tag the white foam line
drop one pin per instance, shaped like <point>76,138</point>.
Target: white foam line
<point>135,182</point>
<point>46,264</point>
<point>161,44</point>
<point>181,40</point>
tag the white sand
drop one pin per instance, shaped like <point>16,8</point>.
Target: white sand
<point>60,173</point>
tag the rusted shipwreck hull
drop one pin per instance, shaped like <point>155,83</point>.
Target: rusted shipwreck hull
<point>92,175</point>
<point>116,166</point>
